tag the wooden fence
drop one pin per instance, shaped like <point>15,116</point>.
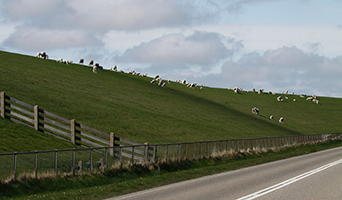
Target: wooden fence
<point>76,160</point>
<point>65,129</point>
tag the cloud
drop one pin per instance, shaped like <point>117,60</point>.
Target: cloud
<point>286,68</point>
<point>37,39</point>
<point>200,48</point>
<point>105,15</point>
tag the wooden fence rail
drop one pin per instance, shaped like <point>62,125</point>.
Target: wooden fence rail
<point>62,128</point>
<point>76,160</point>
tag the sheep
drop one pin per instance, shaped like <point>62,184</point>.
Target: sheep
<point>191,85</point>
<point>67,62</point>
<point>115,68</point>
<point>260,91</point>
<point>315,101</point>
<point>237,90</point>
<point>271,117</point>
<point>281,120</point>
<point>156,76</point>
<point>42,55</point>
<point>255,110</point>
<point>60,60</point>
<point>253,90</point>
<point>81,61</point>
<point>95,69</point>
<point>91,62</point>
<point>294,100</point>
<point>279,98</point>
<point>303,95</point>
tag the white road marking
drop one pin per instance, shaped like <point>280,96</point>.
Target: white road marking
<point>288,182</point>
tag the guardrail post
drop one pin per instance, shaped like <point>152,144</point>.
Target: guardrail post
<point>73,161</point>
<point>2,104</point>
<point>156,154</point>
<point>111,143</point>
<point>35,164</point>
<point>91,159</point>
<point>15,166</point>
<point>56,161</point>
<point>73,131</point>
<point>133,154</point>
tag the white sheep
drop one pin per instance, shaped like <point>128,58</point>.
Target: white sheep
<point>255,110</point>
<point>60,60</point>
<point>91,62</point>
<point>279,98</point>
<point>281,120</point>
<point>260,91</point>
<point>271,117</point>
<point>115,68</point>
<point>95,69</point>
<point>42,55</point>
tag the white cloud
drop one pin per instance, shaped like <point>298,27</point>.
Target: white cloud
<point>286,68</point>
<point>36,39</point>
<point>200,48</point>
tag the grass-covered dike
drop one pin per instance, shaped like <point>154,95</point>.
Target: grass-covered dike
<point>139,111</point>
<point>124,179</point>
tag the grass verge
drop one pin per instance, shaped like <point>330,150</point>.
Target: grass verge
<point>126,179</point>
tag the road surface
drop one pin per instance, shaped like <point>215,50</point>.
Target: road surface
<point>311,176</point>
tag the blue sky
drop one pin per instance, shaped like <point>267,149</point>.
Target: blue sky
<point>276,45</point>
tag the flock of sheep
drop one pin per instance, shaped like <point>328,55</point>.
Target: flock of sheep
<point>162,83</point>
<point>255,110</point>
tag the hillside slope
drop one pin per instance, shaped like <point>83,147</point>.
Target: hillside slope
<point>135,109</point>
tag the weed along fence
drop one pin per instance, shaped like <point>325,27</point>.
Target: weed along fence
<point>62,128</point>
<point>74,161</point>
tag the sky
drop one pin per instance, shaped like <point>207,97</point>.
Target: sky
<point>277,45</point>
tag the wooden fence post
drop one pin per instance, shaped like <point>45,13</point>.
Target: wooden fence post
<point>36,117</point>
<point>146,152</point>
<point>73,131</point>
<point>111,143</point>
<point>2,104</point>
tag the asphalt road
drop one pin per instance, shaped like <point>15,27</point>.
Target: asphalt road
<point>312,176</point>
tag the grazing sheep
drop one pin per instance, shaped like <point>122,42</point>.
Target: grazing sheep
<point>253,90</point>
<point>81,61</point>
<point>68,62</point>
<point>260,91</point>
<point>115,68</point>
<point>279,98</point>
<point>281,120</point>
<point>60,60</point>
<point>91,62</point>
<point>255,110</point>
<point>95,69</point>
<point>42,55</point>
<point>303,95</point>
<point>271,117</point>
<point>294,100</point>
<point>237,90</point>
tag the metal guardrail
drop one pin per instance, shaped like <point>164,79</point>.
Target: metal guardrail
<point>76,160</point>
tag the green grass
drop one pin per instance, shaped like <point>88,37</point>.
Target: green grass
<point>18,138</point>
<point>126,180</point>
<point>136,110</point>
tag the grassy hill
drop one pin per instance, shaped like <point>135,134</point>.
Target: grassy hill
<point>136,110</point>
